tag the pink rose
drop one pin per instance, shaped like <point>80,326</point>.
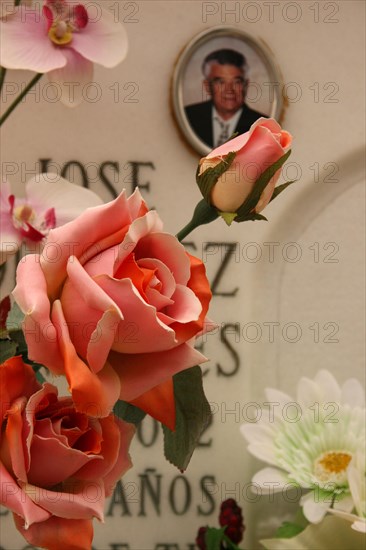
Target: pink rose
<point>114,303</point>
<point>256,150</point>
<point>56,465</point>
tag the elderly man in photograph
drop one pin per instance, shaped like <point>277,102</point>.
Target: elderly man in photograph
<point>226,83</point>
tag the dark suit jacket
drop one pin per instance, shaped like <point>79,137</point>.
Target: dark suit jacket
<point>200,118</point>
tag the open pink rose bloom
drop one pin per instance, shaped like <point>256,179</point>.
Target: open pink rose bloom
<point>115,304</point>
<point>57,465</point>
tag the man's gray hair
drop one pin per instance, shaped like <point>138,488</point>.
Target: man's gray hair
<point>224,57</point>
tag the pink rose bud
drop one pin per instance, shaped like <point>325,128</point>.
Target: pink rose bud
<point>246,185</point>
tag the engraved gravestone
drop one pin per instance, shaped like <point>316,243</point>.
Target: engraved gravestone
<point>276,289</point>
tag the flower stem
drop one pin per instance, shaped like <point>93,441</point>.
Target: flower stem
<point>2,77</point>
<point>203,213</point>
<point>20,97</point>
<point>334,496</point>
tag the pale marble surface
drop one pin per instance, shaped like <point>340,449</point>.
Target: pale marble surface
<point>303,292</point>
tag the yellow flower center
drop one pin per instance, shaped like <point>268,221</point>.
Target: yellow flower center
<point>60,33</point>
<point>23,214</point>
<point>332,466</point>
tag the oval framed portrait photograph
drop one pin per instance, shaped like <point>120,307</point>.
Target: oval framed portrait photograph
<point>223,81</point>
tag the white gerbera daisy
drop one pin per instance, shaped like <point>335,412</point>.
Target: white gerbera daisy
<point>310,442</point>
<point>357,485</point>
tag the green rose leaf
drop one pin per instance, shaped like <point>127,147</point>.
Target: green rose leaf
<point>8,350</point>
<point>209,177</point>
<point>252,200</point>
<point>252,216</point>
<point>15,319</point>
<point>128,413</point>
<point>193,414</point>
<point>17,336</point>
<point>332,532</point>
<point>214,538</point>
<point>37,369</point>
<point>288,530</point>
<point>280,188</point>
<point>5,307</point>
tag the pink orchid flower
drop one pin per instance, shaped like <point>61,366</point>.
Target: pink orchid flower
<point>49,203</point>
<point>61,38</point>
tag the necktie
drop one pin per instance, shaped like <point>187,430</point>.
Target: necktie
<point>224,135</point>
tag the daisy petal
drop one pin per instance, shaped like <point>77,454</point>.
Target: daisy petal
<point>328,386</point>
<point>353,393</point>
<point>277,399</point>
<point>314,511</point>
<point>270,479</point>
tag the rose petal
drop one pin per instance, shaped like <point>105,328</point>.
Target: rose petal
<point>260,152</point>
<point>186,306</point>
<point>31,295</point>
<point>200,286</point>
<point>13,434</point>
<point>137,376</point>
<point>123,462</point>
<point>169,251</point>
<point>239,142</point>
<point>267,192</point>
<point>58,533</point>
<point>83,298</point>
<point>159,403</point>
<point>17,379</point>
<point>13,497</point>
<point>46,429</point>
<point>116,461</point>
<point>93,394</point>
<point>158,300</point>
<point>45,473</point>
<point>93,231</point>
<point>140,331</point>
<point>105,259</point>
<point>163,273</point>
<point>138,229</point>
<point>262,149</point>
<point>77,499</point>
<point>39,400</point>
